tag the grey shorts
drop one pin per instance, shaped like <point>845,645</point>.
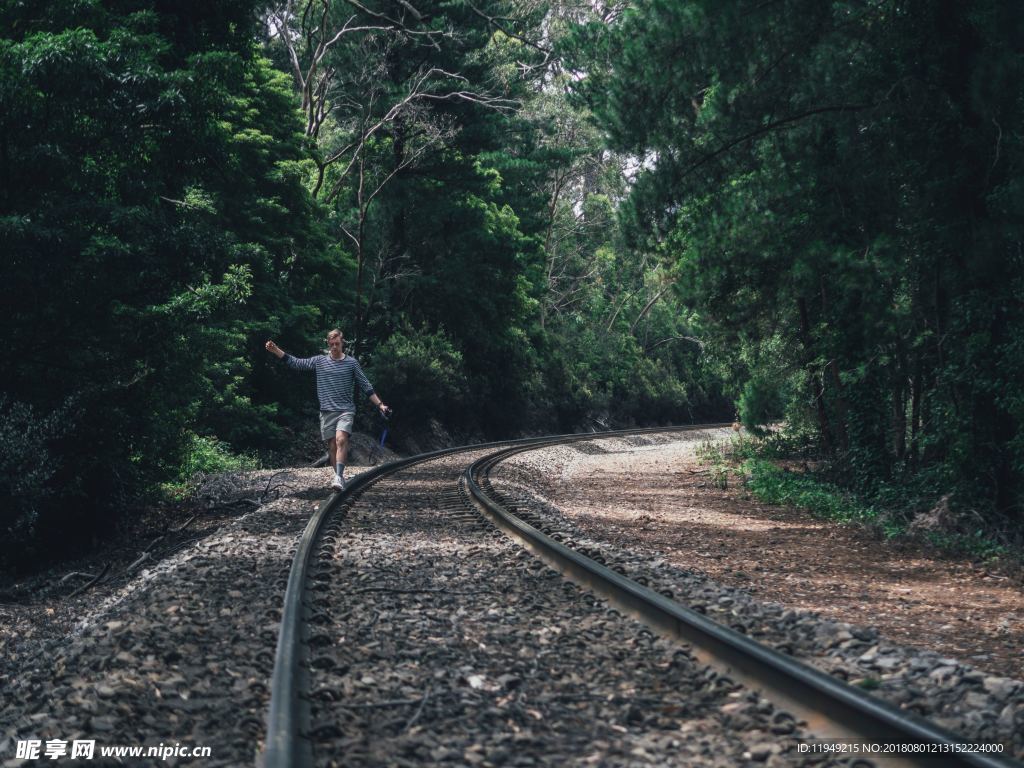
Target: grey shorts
<point>332,422</point>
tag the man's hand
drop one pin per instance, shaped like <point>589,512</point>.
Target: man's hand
<point>273,349</point>
<point>384,410</point>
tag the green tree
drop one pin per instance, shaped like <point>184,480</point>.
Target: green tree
<point>151,208</point>
<point>840,177</point>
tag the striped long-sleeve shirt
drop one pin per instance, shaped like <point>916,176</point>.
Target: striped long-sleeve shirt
<point>335,379</point>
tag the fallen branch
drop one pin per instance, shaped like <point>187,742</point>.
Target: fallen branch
<point>183,544</point>
<point>138,561</point>
<point>267,488</point>
<point>71,575</point>
<point>91,582</point>
<point>419,711</point>
<point>184,525</point>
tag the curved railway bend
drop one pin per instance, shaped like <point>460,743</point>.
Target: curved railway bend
<point>433,638</point>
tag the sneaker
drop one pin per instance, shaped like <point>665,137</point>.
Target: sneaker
<point>338,483</point>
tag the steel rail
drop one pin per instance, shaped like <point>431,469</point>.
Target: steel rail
<point>830,707</point>
<point>284,746</point>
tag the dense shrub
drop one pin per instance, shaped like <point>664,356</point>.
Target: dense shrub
<point>27,470</point>
<point>761,402</point>
<point>152,216</point>
<point>208,455</point>
<point>421,373</point>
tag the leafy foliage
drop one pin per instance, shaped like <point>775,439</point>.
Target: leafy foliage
<point>838,182</point>
<point>424,372</point>
<point>179,183</point>
<point>207,455</point>
<point>777,486</point>
<point>479,201</point>
<point>26,468</point>
<point>151,206</point>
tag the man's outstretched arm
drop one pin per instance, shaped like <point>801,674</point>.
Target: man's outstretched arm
<point>298,363</point>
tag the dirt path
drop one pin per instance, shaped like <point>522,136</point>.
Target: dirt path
<point>655,499</point>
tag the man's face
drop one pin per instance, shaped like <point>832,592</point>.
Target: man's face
<point>334,343</point>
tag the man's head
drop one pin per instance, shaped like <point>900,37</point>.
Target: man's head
<point>335,342</point>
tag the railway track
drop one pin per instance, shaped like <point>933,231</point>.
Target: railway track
<point>378,657</point>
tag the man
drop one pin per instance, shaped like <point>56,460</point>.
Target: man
<point>336,375</point>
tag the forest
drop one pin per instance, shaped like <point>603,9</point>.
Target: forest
<point>527,216</point>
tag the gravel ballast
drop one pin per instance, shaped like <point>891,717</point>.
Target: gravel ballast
<point>439,641</point>
<point>179,656</point>
<point>981,707</point>
<point>436,640</point>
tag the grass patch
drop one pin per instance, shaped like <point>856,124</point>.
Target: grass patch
<point>208,455</point>
<point>774,485</point>
<point>720,464</point>
<point>977,545</point>
<point>752,460</point>
<point>205,456</point>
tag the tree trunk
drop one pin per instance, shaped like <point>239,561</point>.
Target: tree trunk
<point>917,386</point>
<point>899,420</point>
<point>360,234</point>
<point>814,379</point>
<point>901,382</point>
<point>841,410</point>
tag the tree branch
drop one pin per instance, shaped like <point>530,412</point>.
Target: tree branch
<point>651,303</point>
<point>693,339</point>
<point>493,21</point>
<point>770,127</point>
